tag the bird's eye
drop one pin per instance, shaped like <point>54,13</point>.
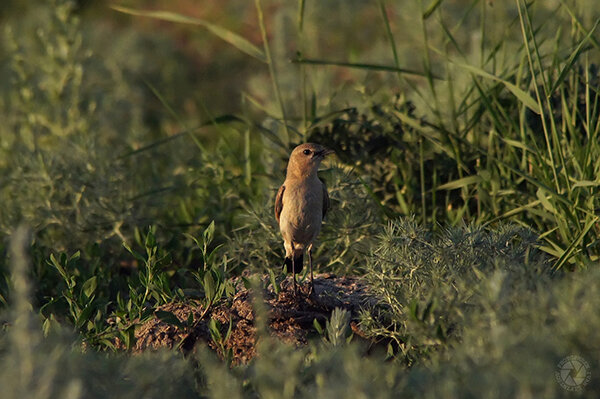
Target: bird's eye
<point>306,152</point>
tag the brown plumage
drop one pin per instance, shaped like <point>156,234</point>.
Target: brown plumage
<point>301,204</point>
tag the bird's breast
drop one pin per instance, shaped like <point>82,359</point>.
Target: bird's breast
<point>301,216</point>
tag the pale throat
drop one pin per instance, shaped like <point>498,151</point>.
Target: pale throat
<point>303,173</point>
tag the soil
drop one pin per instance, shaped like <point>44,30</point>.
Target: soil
<point>290,317</point>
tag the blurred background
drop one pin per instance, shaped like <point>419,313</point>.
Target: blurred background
<point>467,149</point>
<point>177,113</point>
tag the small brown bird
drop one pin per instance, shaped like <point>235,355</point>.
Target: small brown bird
<point>300,206</point>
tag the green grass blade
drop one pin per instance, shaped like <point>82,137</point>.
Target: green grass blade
<point>575,19</point>
<point>230,37</point>
<point>390,36</point>
<point>431,9</point>
<point>372,67</point>
<point>218,120</point>
<point>518,144</point>
<point>459,183</point>
<point>567,253</point>
<point>388,31</point>
<point>302,71</point>
<point>327,118</point>
<point>301,8</point>
<point>278,118</point>
<point>586,183</point>
<point>269,61</point>
<point>376,200</point>
<point>572,58</point>
<point>175,115</point>
<point>514,211</point>
<point>541,195</point>
<point>525,98</point>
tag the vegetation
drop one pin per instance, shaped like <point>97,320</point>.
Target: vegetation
<point>140,151</point>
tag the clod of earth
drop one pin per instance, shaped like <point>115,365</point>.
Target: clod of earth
<point>289,318</point>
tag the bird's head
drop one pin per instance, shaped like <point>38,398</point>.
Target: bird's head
<point>306,158</point>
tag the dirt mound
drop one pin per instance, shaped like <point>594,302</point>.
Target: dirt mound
<point>290,318</point>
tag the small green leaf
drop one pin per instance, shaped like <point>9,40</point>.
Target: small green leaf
<point>229,288</point>
<point>46,327</point>
<point>318,326</point>
<point>276,287</point>
<point>128,336</point>
<point>212,254</point>
<point>390,351</point>
<point>150,241</point>
<point>191,237</point>
<point>229,329</point>
<point>209,233</point>
<point>220,288</point>
<point>89,287</point>
<point>209,287</point>
<point>135,254</point>
<point>213,328</point>
<point>54,262</point>
<point>247,283</point>
<point>169,318</point>
<point>146,314</point>
<point>84,315</point>
<point>75,256</point>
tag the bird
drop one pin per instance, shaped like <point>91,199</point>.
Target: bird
<point>300,206</point>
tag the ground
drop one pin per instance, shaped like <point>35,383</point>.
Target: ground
<point>290,317</point>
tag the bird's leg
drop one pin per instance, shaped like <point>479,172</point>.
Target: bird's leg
<point>294,277</point>
<point>294,270</point>
<point>312,281</point>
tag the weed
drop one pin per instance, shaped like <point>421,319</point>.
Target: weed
<point>153,280</point>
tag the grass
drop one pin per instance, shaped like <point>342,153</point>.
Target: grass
<point>464,191</point>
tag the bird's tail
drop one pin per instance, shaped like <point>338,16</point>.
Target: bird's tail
<point>298,259</point>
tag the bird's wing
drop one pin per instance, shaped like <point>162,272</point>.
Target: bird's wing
<point>325,199</point>
<point>279,202</point>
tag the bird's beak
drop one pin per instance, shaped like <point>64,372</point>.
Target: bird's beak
<point>326,152</point>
